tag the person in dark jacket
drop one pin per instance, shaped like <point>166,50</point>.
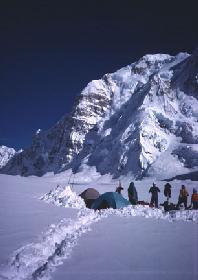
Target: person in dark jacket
<point>183,197</point>
<point>119,188</point>
<point>154,190</point>
<point>167,191</point>
<point>132,194</point>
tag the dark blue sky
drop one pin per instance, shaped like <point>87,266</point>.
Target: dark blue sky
<point>50,50</point>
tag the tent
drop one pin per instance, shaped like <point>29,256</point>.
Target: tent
<point>89,196</point>
<point>110,200</point>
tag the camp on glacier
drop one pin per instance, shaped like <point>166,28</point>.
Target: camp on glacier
<point>138,124</point>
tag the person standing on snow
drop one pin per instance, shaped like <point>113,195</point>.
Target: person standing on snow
<point>154,190</point>
<point>132,194</point>
<point>119,188</point>
<point>194,199</point>
<point>183,197</point>
<point>167,191</point>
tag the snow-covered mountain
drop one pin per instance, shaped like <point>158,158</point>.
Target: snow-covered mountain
<point>5,155</point>
<point>142,120</point>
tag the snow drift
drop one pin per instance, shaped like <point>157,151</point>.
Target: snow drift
<point>64,196</point>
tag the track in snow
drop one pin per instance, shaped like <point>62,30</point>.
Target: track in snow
<point>38,260</point>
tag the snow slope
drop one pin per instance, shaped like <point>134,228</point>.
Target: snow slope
<point>134,121</point>
<point>42,241</point>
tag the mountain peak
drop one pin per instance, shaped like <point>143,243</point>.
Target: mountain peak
<point>136,120</point>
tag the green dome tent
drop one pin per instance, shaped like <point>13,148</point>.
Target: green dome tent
<point>110,200</point>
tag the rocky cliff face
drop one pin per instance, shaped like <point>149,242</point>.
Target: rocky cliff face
<point>137,120</point>
<point>54,149</point>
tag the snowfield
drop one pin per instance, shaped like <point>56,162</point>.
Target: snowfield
<point>47,233</point>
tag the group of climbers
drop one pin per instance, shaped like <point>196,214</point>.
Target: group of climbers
<point>154,190</point>
<point>183,197</point>
<point>94,200</point>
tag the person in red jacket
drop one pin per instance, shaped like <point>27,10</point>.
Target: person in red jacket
<point>194,199</point>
